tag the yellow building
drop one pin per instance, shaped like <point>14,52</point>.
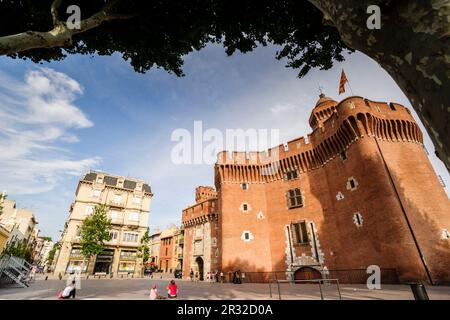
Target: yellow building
<point>128,200</point>
<point>4,235</point>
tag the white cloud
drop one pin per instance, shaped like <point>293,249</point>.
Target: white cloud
<point>279,108</point>
<point>36,117</point>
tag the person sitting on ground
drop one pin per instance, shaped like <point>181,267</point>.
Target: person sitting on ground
<point>154,293</point>
<point>172,290</point>
<point>69,291</point>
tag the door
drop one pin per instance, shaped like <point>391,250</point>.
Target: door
<point>307,273</point>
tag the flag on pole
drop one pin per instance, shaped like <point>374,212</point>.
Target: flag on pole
<point>342,82</point>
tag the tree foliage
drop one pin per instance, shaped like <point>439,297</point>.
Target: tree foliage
<point>160,33</point>
<point>144,250</point>
<point>95,231</point>
<point>2,199</point>
<point>52,252</point>
<point>19,249</point>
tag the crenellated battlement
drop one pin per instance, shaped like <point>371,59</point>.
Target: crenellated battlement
<point>351,119</point>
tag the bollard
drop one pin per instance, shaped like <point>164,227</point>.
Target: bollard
<point>419,291</point>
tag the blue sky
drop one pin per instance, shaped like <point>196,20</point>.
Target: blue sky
<point>59,119</point>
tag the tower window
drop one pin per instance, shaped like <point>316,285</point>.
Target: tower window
<point>343,155</point>
<point>352,184</point>
<point>245,207</point>
<point>445,234</point>
<point>300,233</point>
<point>244,186</point>
<point>247,236</point>
<point>357,219</point>
<point>291,174</point>
<point>294,198</point>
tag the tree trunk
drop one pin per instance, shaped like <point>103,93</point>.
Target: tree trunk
<point>412,45</point>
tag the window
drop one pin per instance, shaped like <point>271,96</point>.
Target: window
<point>291,174</point>
<point>300,233</point>
<point>137,199</point>
<point>352,184</point>
<point>78,231</point>
<point>294,198</point>
<point>133,216</point>
<point>247,236</point>
<point>167,251</point>
<point>118,198</point>
<point>245,207</point>
<point>114,214</point>
<point>357,219</point>
<point>96,193</point>
<point>89,210</point>
<point>244,186</point>
<point>113,235</point>
<point>343,155</point>
<point>445,234</point>
<point>130,237</point>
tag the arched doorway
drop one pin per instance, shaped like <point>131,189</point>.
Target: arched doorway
<point>199,262</point>
<point>307,273</point>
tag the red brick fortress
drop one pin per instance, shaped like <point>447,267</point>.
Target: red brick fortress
<point>359,191</point>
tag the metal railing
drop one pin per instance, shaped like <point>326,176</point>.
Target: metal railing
<point>319,281</point>
<point>345,276</point>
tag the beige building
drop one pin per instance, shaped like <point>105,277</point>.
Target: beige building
<point>154,245</point>
<point>4,235</point>
<point>20,222</point>
<point>128,200</point>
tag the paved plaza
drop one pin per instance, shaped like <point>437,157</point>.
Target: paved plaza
<point>138,289</point>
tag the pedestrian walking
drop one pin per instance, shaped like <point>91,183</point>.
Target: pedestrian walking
<point>172,290</point>
<point>221,276</point>
<point>191,275</point>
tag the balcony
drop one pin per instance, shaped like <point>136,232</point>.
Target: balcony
<point>116,204</point>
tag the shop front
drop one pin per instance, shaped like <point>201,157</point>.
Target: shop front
<point>77,262</point>
<point>127,263</point>
<point>104,261</point>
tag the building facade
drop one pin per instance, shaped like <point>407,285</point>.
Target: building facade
<point>154,246</point>
<point>19,222</point>
<point>128,201</point>
<point>358,191</point>
<point>201,234</point>
<point>167,257</point>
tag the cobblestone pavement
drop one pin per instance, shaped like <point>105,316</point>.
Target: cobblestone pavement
<point>138,289</point>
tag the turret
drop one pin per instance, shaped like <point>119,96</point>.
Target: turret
<point>324,108</point>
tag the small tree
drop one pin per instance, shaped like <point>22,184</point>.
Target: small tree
<point>144,250</point>
<point>51,254</point>
<point>95,231</point>
<point>19,249</point>
<point>2,199</point>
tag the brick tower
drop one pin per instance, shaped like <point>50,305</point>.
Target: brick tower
<point>359,191</point>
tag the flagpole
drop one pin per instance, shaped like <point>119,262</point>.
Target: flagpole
<point>350,87</point>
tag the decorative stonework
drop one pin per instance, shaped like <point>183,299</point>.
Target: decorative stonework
<point>445,234</point>
<point>339,196</point>
<point>260,215</point>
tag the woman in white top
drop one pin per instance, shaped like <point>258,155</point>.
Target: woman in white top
<point>153,293</point>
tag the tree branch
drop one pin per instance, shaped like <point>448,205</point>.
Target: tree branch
<point>60,35</point>
<point>54,11</point>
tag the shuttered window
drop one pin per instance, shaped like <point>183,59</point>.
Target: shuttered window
<point>294,197</point>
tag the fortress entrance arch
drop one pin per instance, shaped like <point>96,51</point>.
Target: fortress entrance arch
<point>199,267</point>
<point>307,273</point>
